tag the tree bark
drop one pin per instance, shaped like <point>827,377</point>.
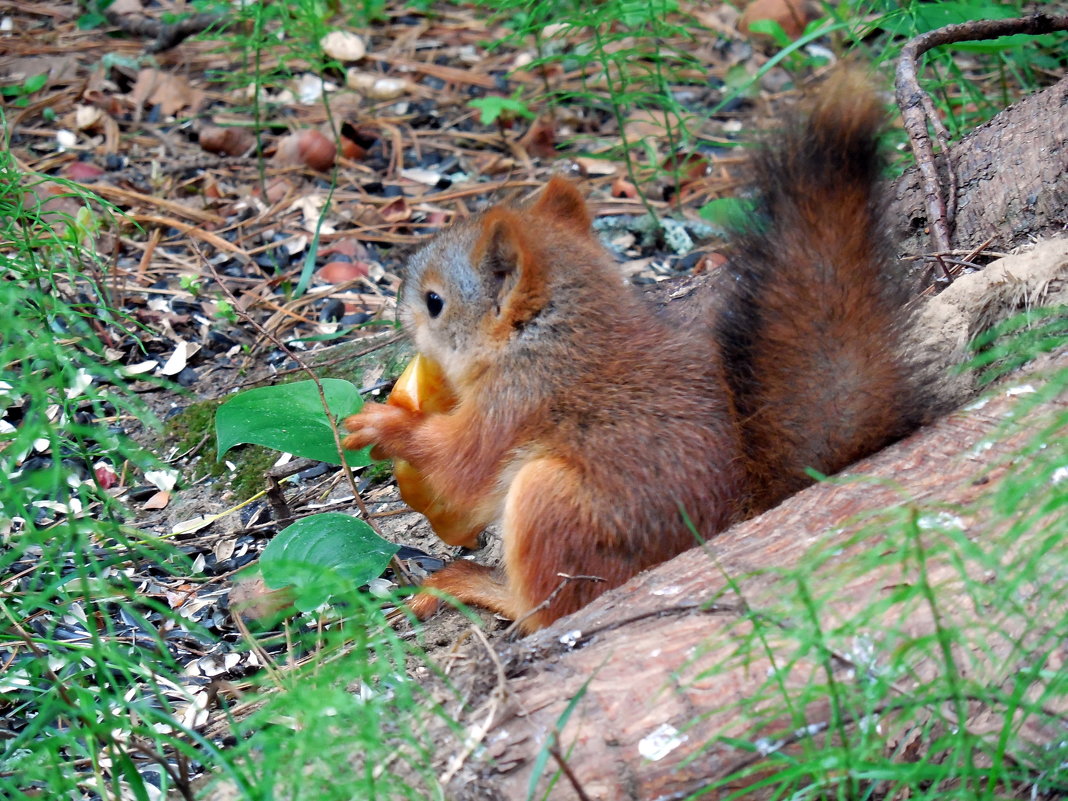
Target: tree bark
<point>1012,179</point>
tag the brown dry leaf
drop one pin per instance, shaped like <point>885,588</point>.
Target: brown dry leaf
<point>254,600</point>
<point>279,188</point>
<point>82,171</point>
<point>792,15</point>
<point>337,272</point>
<point>59,69</point>
<point>396,211</point>
<point>172,93</point>
<point>346,247</point>
<point>540,138</point>
<point>157,501</point>
<point>227,140</point>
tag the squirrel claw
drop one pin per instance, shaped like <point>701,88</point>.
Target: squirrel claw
<point>422,605</point>
<point>376,424</point>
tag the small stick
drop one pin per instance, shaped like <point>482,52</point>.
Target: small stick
<point>917,108</point>
<point>545,604</point>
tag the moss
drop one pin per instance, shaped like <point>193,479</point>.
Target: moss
<point>190,426</point>
<point>195,425</point>
<point>252,462</point>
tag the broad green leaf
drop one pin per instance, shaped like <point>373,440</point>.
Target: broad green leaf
<point>289,418</point>
<point>324,556</point>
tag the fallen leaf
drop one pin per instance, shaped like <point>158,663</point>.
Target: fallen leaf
<point>396,211</point>
<point>83,171</point>
<point>337,272</point>
<point>227,140</point>
<point>792,15</point>
<point>162,479</point>
<point>345,247</point>
<point>310,207</point>
<point>540,138</point>
<point>157,501</point>
<point>179,359</point>
<point>251,598</point>
<point>172,93</point>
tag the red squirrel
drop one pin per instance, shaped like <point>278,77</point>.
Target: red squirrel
<point>594,432</point>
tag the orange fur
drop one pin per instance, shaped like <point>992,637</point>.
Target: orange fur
<point>596,433</point>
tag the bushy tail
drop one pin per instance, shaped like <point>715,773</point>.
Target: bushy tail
<point>812,335</point>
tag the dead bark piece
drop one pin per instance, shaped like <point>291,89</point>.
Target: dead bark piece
<point>947,323</point>
<point>166,35</point>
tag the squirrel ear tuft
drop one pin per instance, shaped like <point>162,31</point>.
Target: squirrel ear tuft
<point>513,274</point>
<point>562,201</point>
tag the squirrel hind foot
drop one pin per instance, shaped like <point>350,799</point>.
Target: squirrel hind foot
<point>472,584</point>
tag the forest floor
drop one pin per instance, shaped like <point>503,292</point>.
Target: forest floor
<point>248,224</point>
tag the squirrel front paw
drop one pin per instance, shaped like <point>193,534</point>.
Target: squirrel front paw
<point>379,424</point>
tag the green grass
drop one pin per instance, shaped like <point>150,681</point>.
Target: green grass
<point>67,669</point>
<point>90,605</point>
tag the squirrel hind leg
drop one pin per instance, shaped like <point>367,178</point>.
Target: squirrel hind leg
<point>558,555</point>
<point>468,583</point>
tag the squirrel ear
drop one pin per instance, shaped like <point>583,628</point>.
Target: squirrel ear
<point>561,201</point>
<point>514,276</point>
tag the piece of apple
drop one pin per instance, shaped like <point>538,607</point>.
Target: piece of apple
<point>422,388</point>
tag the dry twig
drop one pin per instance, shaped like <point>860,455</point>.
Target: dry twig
<point>917,109</point>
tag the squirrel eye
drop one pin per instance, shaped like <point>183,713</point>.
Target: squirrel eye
<point>434,303</point>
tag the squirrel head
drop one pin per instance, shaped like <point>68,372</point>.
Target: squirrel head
<point>475,288</point>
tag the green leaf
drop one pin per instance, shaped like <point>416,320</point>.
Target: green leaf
<point>493,107</point>
<point>290,418</point>
<point>727,213</point>
<point>324,556</point>
<point>90,20</point>
<point>35,83</point>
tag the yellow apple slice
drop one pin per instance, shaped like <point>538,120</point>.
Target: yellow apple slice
<point>422,388</point>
